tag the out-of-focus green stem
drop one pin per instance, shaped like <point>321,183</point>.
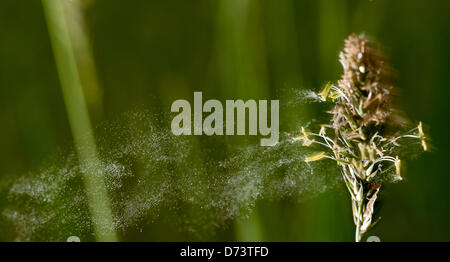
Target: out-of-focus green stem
<point>97,194</point>
<point>249,230</point>
<point>81,44</point>
<point>242,64</point>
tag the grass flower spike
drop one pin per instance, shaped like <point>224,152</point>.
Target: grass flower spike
<point>365,133</point>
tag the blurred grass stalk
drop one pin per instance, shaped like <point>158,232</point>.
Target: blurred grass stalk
<point>96,191</point>
<point>242,62</point>
<point>81,45</point>
<point>329,210</point>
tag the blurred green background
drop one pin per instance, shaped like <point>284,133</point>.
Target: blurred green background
<point>133,53</point>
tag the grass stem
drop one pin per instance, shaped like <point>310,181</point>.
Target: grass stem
<point>78,115</point>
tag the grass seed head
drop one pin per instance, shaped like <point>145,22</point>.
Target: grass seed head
<point>368,129</point>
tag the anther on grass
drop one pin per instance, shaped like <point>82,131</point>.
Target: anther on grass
<point>365,132</point>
